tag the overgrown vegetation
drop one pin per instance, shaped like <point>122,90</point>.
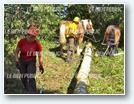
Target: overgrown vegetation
<point>107,73</point>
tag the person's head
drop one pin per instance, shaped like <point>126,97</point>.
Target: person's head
<point>76,20</point>
<point>32,32</point>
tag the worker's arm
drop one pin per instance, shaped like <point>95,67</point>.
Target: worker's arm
<point>17,51</point>
<point>17,54</point>
<point>41,66</point>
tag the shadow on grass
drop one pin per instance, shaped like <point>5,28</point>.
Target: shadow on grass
<point>13,86</point>
<point>49,92</point>
<point>73,82</point>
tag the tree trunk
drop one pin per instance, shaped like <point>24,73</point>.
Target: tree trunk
<point>82,76</point>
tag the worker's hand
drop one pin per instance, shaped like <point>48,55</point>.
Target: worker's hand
<point>41,68</point>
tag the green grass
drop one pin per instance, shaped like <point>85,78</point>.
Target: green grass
<point>109,77</point>
<point>58,73</point>
<point>106,75</point>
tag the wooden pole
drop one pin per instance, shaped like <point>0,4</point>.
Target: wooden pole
<point>82,76</point>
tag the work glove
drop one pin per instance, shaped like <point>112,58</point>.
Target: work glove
<point>41,68</point>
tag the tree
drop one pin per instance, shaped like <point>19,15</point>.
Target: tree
<point>101,15</point>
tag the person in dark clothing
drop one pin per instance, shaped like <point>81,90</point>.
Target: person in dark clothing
<point>26,51</point>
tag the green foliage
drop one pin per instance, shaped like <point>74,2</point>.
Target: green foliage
<point>18,17</point>
<point>101,15</point>
<point>47,18</point>
<point>108,75</point>
<point>108,71</point>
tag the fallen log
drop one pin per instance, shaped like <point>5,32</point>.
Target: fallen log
<point>82,76</point>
